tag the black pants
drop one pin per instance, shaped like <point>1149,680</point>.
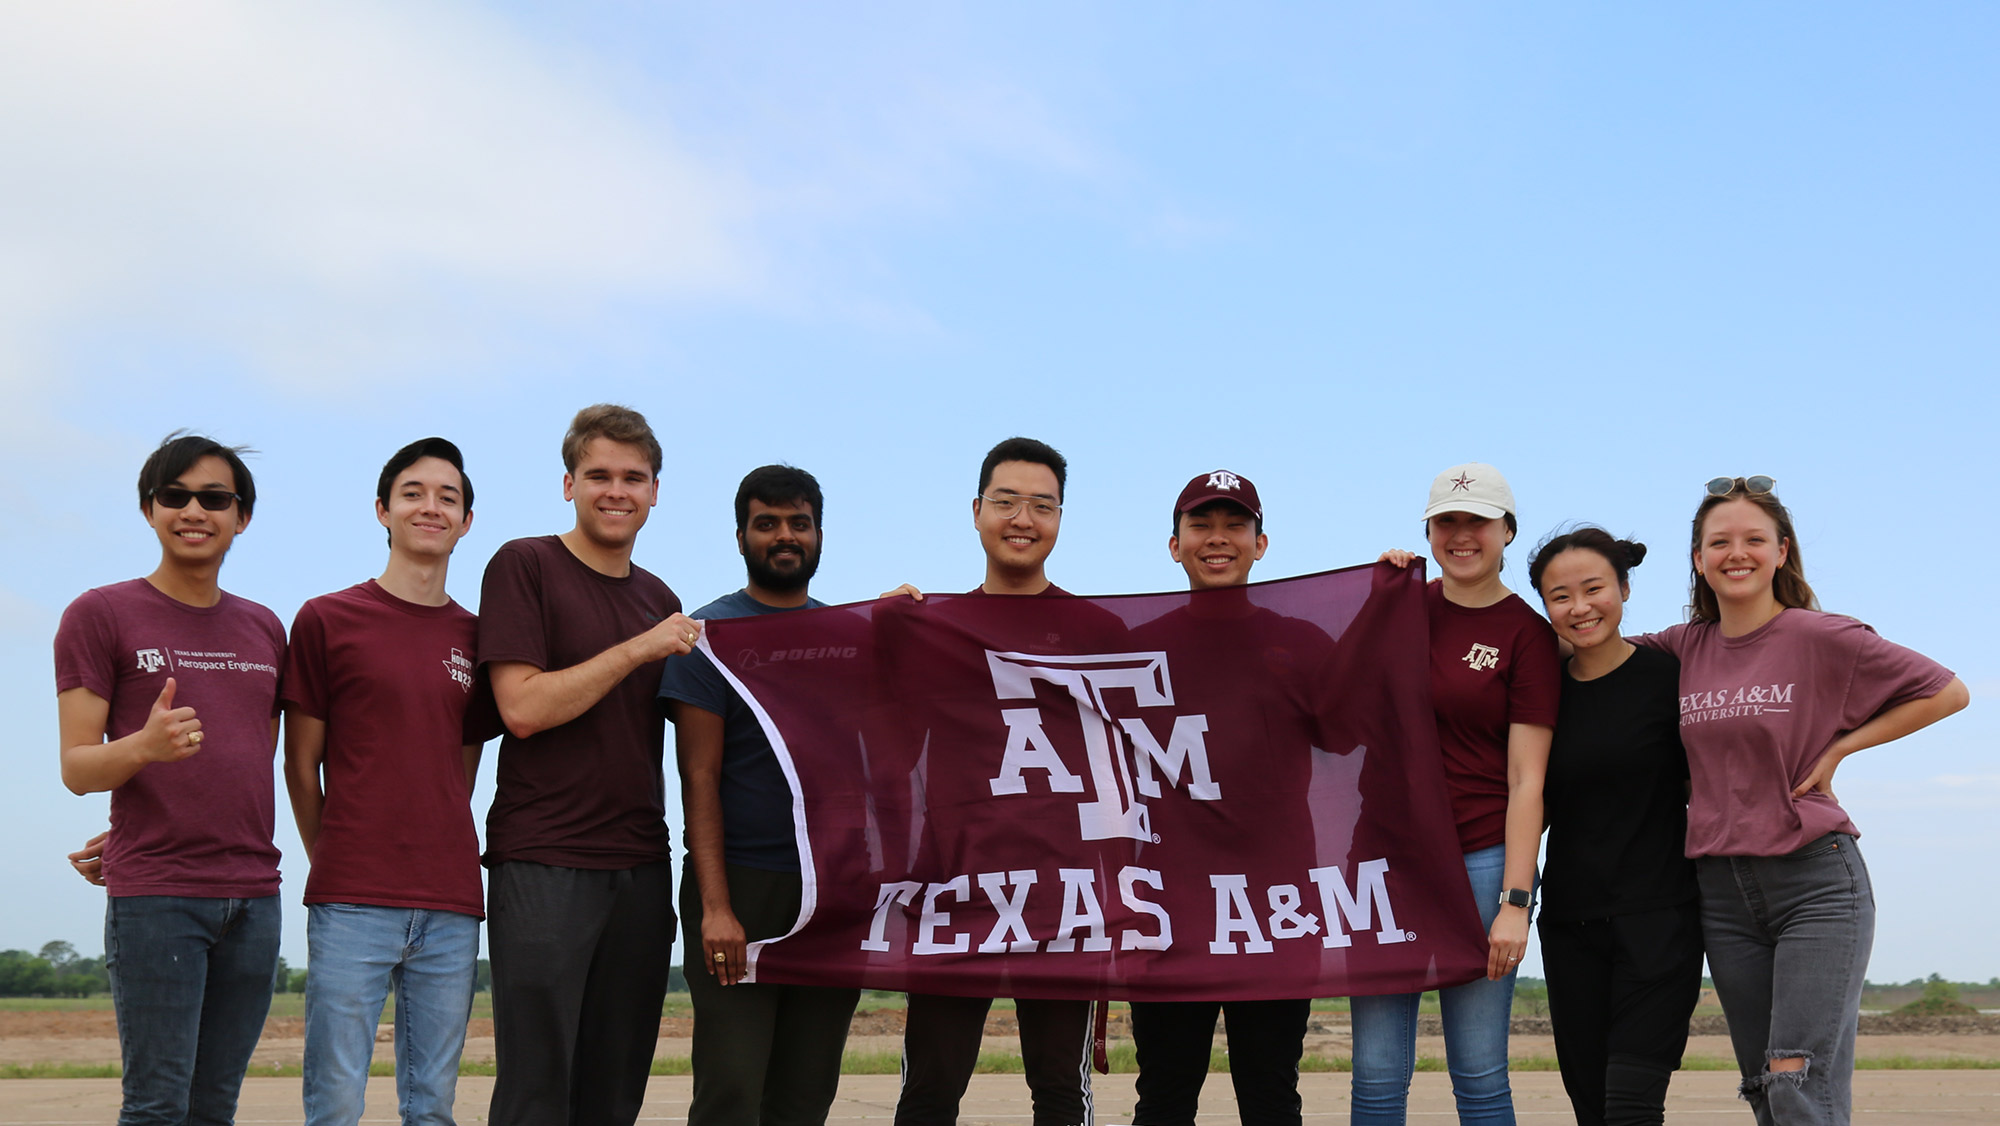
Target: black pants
<point>1620,993</point>
<point>1174,1040</point>
<point>941,1047</point>
<point>766,1054</point>
<point>579,975</point>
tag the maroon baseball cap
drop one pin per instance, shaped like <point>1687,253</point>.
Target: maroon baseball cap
<point>1219,485</point>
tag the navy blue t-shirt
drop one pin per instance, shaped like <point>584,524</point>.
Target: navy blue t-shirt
<point>757,829</point>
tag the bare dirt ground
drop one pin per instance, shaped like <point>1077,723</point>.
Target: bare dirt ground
<point>92,1037</point>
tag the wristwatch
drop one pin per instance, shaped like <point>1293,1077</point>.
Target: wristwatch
<point>1515,897</point>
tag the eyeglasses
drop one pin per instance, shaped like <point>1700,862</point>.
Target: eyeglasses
<point>1008,505</point>
<point>1755,486</point>
<point>173,496</point>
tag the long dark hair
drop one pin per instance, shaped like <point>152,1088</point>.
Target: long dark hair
<point>1788,586</point>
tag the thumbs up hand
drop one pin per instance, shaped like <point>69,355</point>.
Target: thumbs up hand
<point>171,734</point>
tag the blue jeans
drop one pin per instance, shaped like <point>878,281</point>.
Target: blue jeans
<point>191,982</point>
<point>355,951</point>
<point>1476,1019</point>
<point>1788,942</point>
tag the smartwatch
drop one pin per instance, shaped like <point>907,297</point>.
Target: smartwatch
<point>1515,897</point>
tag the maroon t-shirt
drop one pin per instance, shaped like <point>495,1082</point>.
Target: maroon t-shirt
<point>587,794</point>
<point>1491,666</point>
<point>200,826</point>
<point>394,682</point>
<point>1758,711</point>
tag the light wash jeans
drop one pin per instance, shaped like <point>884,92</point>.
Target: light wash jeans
<point>1788,943</point>
<point>354,952</point>
<point>1476,1019</point>
<point>191,982</point>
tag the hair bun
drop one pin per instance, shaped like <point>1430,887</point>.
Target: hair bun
<point>1635,552</point>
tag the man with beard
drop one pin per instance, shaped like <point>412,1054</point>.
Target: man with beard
<point>766,1053</point>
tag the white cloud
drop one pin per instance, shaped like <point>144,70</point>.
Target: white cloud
<point>322,191</point>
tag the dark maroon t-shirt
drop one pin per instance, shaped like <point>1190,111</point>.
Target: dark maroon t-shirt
<point>200,826</point>
<point>587,794</point>
<point>1491,666</point>
<point>394,681</point>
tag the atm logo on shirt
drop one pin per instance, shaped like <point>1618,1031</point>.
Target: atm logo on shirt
<point>151,660</point>
<point>1481,657</point>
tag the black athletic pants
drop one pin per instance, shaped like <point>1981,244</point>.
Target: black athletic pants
<point>1620,993</point>
<point>579,974</point>
<point>1174,1040</point>
<point>766,1054</point>
<point>941,1047</point>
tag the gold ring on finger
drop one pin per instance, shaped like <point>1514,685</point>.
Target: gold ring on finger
<point>721,957</point>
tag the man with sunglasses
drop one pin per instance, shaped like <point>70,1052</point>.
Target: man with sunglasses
<point>1018,513</point>
<point>383,724</point>
<point>166,694</point>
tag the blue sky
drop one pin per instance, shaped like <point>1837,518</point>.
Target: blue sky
<point>1613,250</point>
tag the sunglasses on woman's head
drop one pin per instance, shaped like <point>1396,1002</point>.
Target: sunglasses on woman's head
<point>173,496</point>
<point>1723,486</point>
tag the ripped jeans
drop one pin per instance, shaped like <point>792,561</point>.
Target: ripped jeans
<point>1788,940</point>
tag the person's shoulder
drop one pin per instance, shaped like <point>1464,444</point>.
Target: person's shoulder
<point>525,548</point>
<point>239,606</point>
<point>1649,662</point>
<point>735,604</point>
<point>1821,623</point>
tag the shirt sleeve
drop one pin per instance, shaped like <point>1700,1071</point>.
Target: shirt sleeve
<point>1668,640</point>
<point>87,647</point>
<point>304,681</point>
<point>692,679</point>
<point>1534,694</point>
<point>510,610</point>
<point>1885,674</point>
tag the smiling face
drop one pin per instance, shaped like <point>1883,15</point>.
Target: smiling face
<point>1019,543</point>
<point>1584,600</point>
<point>780,545</point>
<point>1740,552</point>
<point>614,489</point>
<point>1468,547</point>
<point>1216,545</point>
<point>192,536</point>
<point>426,514</point>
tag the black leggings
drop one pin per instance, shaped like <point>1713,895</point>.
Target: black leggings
<point>1620,993</point>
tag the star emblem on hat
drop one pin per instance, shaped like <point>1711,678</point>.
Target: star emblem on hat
<point>1461,482</point>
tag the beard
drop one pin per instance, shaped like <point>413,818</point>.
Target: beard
<point>786,579</point>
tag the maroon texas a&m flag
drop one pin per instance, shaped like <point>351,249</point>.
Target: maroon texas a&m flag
<point>1216,794</point>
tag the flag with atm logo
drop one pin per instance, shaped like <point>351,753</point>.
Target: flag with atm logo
<point>1233,793</point>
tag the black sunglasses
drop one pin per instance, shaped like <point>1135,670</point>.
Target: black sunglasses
<point>173,496</point>
<point>1758,485</point>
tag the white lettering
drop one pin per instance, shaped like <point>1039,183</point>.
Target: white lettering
<point>1233,916</point>
<point>1028,748</point>
<point>1080,910</point>
<point>1370,894</point>
<point>901,892</point>
<point>1285,920</point>
<point>1185,749</point>
<point>1133,940</point>
<point>933,919</point>
<point>1009,909</point>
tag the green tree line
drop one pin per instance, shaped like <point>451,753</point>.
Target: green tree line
<point>57,971</point>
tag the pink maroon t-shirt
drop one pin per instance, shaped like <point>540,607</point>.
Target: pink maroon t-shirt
<point>1757,711</point>
<point>1491,666</point>
<point>200,826</point>
<point>394,681</point>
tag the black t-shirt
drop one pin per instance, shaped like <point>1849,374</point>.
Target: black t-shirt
<point>1616,795</point>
